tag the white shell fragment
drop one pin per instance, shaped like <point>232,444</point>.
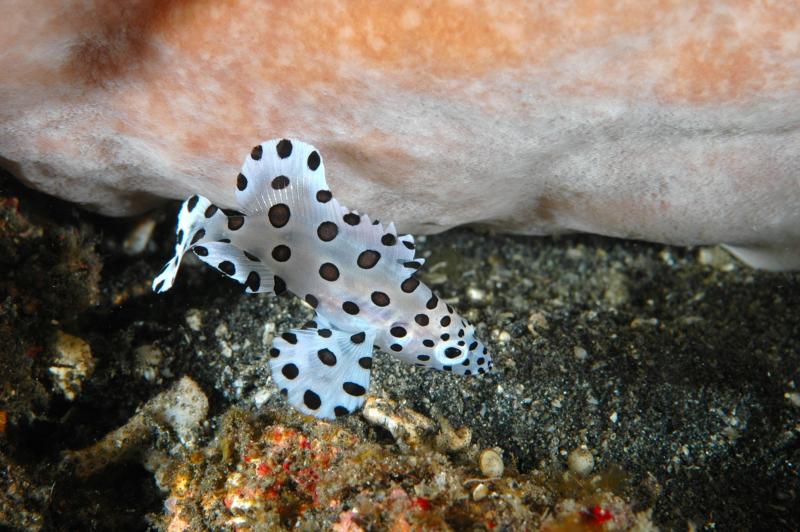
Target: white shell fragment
<point>581,461</point>
<point>72,365</point>
<point>491,463</point>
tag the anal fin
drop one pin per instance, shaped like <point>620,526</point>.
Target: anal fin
<point>323,372</point>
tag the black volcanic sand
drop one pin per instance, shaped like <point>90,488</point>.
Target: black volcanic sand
<point>677,367</point>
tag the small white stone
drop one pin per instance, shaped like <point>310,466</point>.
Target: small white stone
<point>491,463</point>
<point>794,398</point>
<point>537,320</point>
<point>716,257</point>
<point>581,461</point>
<point>147,360</point>
<point>580,353</point>
<point>476,294</point>
<point>72,365</point>
<point>137,239</point>
<point>182,407</point>
<point>613,417</point>
<point>261,396</point>
<point>225,350</point>
<point>267,335</point>
<point>221,331</point>
<point>480,492</point>
<point>504,337</point>
<point>194,319</point>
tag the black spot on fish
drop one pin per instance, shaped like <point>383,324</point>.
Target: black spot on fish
<point>324,196</point>
<point>284,148</point>
<point>327,357</point>
<point>227,267</point>
<point>279,215</point>
<point>290,371</point>
<point>313,161</point>
<point>368,259</point>
<point>280,182</point>
<point>281,253</point>
<point>354,389</point>
<point>310,399</point>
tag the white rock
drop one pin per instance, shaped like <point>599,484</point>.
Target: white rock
<point>72,364</point>
<point>581,461</point>
<point>794,398</point>
<point>194,319</point>
<point>491,463</point>
<point>476,294</point>
<point>480,492</point>
<point>147,359</point>
<point>580,353</point>
<point>180,409</point>
<point>403,423</point>
<point>140,235</point>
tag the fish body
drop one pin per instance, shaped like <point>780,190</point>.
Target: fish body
<point>292,235</point>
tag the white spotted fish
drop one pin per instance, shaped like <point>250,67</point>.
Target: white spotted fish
<point>358,275</point>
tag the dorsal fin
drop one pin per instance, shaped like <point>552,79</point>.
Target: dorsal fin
<point>292,173</point>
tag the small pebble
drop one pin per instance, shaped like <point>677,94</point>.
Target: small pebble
<point>221,331</point>
<point>580,353</point>
<point>147,361</point>
<point>537,320</point>
<point>267,334</point>
<point>616,292</point>
<point>491,463</point>
<point>581,461</point>
<point>450,440</point>
<point>476,295</point>
<point>140,235</point>
<point>794,398</point>
<point>194,319</point>
<point>480,492</point>
<point>715,257</point>
<point>72,364</point>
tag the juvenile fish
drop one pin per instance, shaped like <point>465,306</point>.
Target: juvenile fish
<point>359,276</point>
